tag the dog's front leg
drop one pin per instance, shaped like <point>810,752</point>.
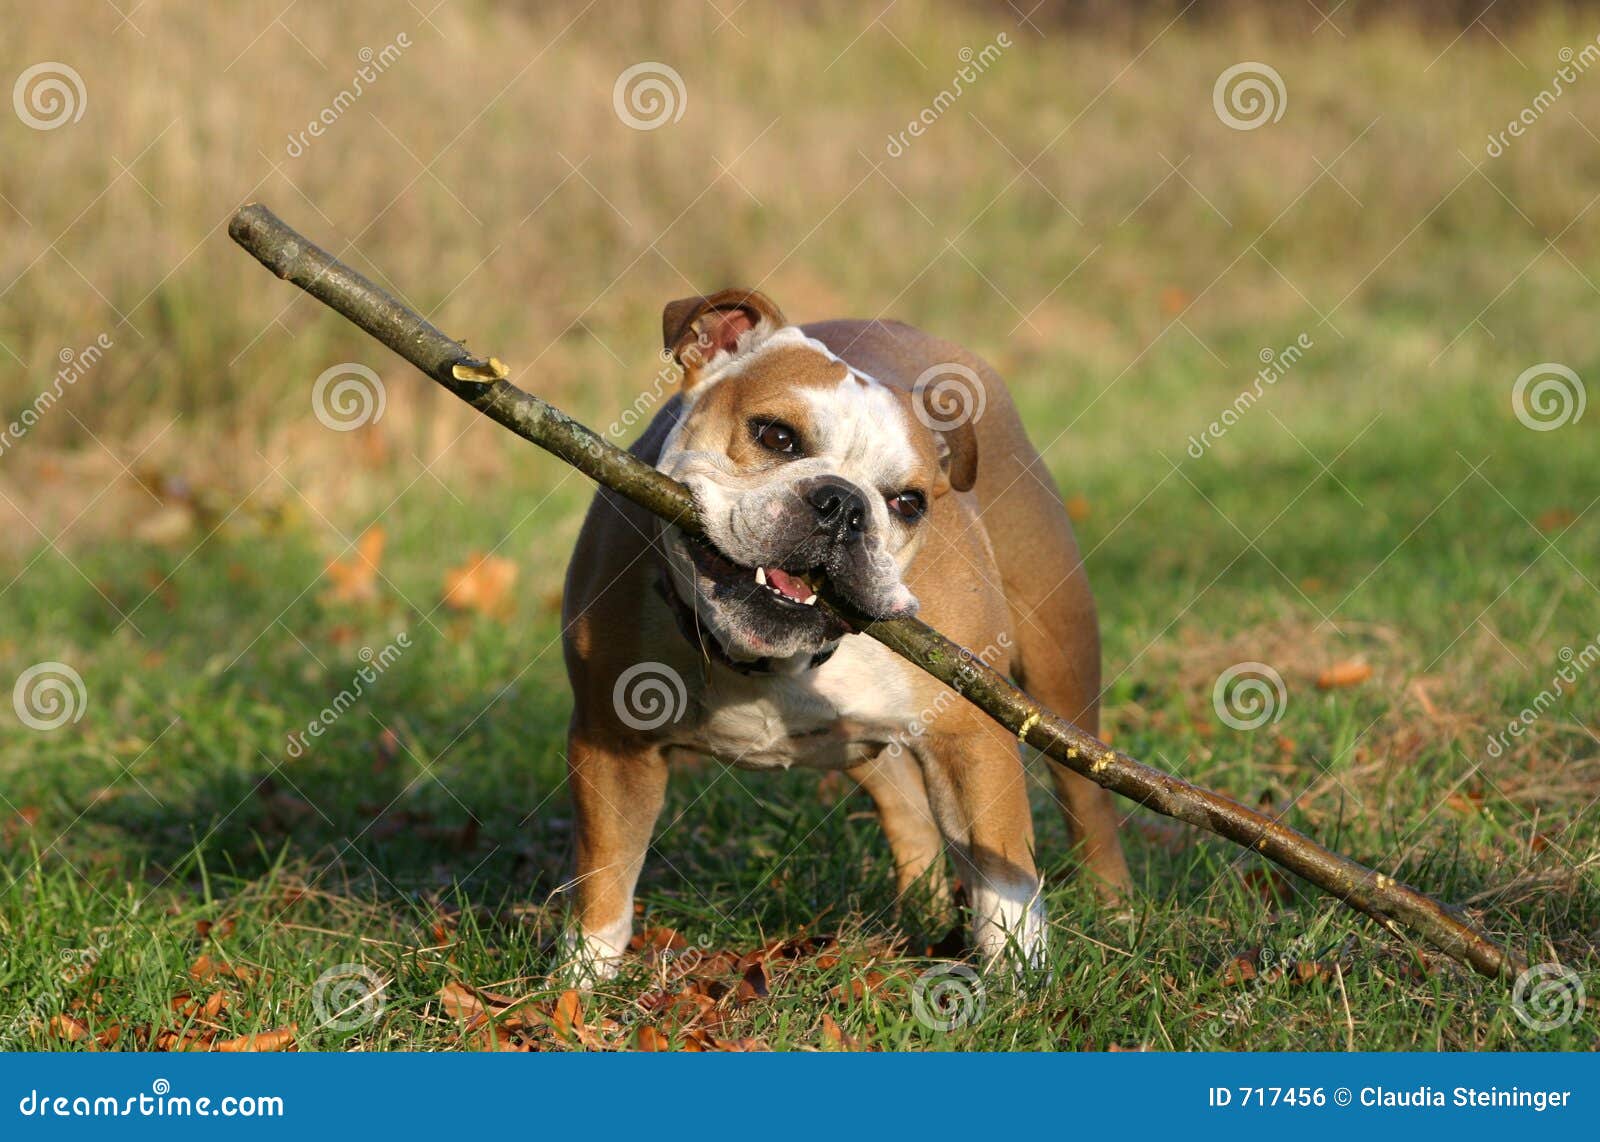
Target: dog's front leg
<point>978,790</point>
<point>618,785</point>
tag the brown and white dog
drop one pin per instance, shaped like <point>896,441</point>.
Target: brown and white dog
<point>895,465</point>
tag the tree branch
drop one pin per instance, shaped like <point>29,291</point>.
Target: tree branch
<point>482,384</point>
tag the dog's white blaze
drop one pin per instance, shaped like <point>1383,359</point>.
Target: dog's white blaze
<point>860,426</point>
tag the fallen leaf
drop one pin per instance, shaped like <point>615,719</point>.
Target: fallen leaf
<point>1078,508</point>
<point>1554,520</point>
<point>1240,969</point>
<point>1174,300</point>
<point>836,1037</point>
<point>205,968</point>
<point>1308,971</point>
<point>647,1038</point>
<point>1343,674</point>
<point>355,580</point>
<point>754,984</point>
<point>68,1028</point>
<point>482,584</point>
<point>567,1019</point>
<point>657,940</point>
<point>281,1039</point>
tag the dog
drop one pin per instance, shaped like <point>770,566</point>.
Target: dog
<point>894,466</point>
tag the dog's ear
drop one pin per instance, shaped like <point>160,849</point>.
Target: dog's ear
<point>958,458</point>
<point>948,399</point>
<point>701,332</point>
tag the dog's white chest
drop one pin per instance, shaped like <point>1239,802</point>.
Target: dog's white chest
<point>833,716</point>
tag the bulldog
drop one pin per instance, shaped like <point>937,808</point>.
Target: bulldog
<point>894,467</point>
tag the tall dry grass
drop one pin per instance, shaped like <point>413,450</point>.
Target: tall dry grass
<point>487,177</point>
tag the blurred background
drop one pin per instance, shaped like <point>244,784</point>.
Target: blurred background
<point>1136,211</point>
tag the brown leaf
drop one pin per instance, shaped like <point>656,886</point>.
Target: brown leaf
<point>1240,969</point>
<point>1078,508</point>
<point>355,579</point>
<point>1308,971</point>
<point>647,1038</point>
<point>204,968</point>
<point>168,1040</point>
<point>461,1001</point>
<point>657,940</point>
<point>567,1019</point>
<point>1343,674</point>
<point>281,1039</point>
<point>68,1028</point>
<point>754,984</point>
<point>482,584</point>
<point>1555,519</point>
<point>836,1037</point>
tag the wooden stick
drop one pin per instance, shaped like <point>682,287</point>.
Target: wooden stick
<point>482,384</point>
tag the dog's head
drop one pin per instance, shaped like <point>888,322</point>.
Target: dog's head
<point>803,470</point>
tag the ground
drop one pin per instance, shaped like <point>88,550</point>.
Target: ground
<point>1379,529</point>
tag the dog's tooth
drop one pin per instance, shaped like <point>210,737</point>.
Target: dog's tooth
<point>810,602</point>
<point>761,576</point>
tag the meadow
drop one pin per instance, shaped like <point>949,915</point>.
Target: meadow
<point>1395,529</point>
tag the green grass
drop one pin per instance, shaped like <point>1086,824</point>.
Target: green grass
<point>1446,545</point>
<point>174,800</point>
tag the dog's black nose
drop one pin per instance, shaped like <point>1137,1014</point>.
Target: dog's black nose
<point>840,509</point>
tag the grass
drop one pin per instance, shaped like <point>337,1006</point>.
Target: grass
<point>1381,503</point>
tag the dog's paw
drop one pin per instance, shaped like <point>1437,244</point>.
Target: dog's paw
<point>593,957</point>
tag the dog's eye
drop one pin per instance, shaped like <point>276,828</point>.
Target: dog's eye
<point>908,505</point>
<point>775,436</point>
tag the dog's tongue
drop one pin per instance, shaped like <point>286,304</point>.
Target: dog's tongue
<point>790,586</point>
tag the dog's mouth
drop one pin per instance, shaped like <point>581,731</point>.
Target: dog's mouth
<point>791,587</point>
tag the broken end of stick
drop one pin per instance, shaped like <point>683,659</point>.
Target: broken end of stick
<point>251,224</point>
<point>483,372</point>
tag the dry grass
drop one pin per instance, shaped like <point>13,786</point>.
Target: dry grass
<point>487,178</point>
